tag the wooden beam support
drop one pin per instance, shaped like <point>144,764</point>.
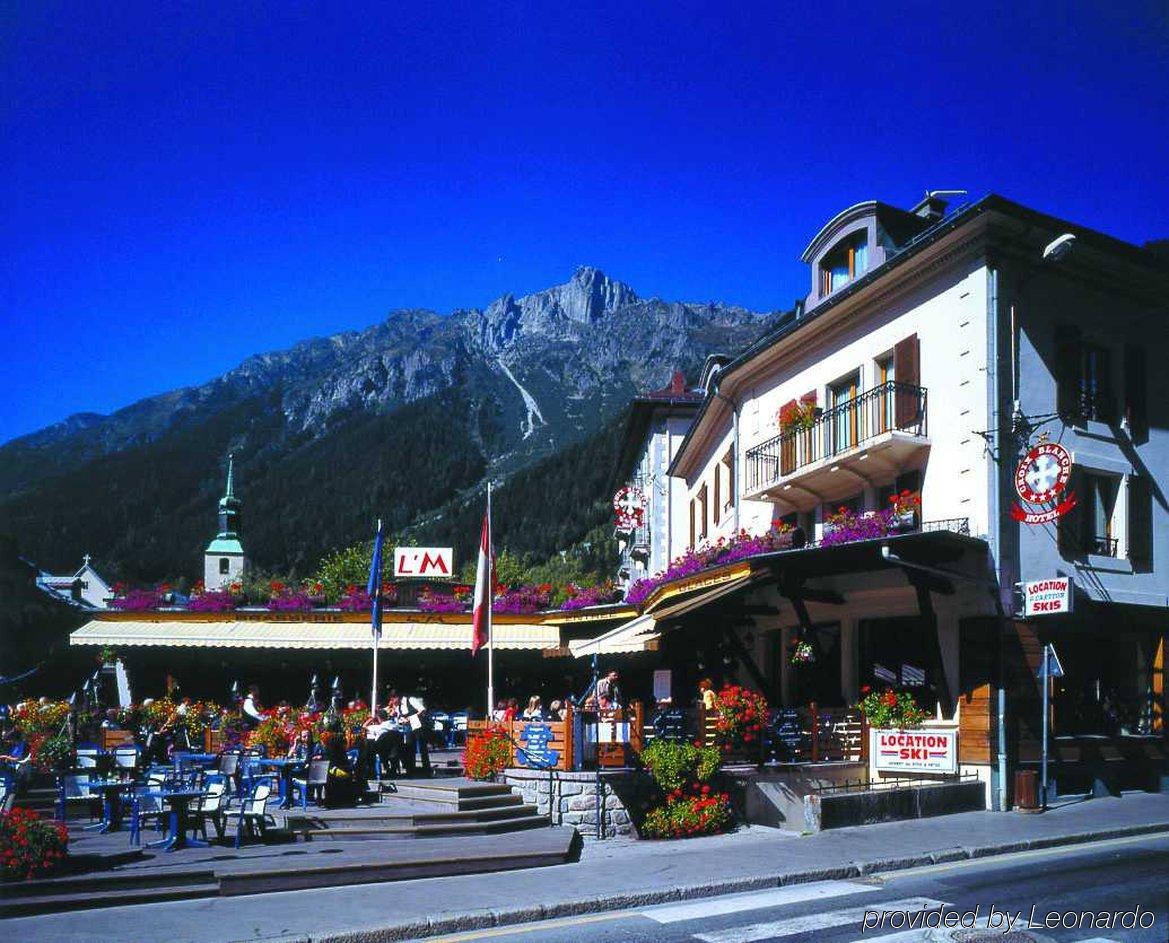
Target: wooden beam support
<point>929,621</point>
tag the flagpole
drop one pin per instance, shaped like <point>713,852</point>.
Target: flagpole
<point>490,604</point>
<point>375,615</point>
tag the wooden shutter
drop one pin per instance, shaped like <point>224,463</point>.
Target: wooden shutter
<point>1140,523</point>
<point>718,493</point>
<point>1069,528</point>
<point>732,484</point>
<point>907,370</point>
<point>1136,386</point>
<point>1068,365</point>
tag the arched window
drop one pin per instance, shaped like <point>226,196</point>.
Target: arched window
<point>848,260</point>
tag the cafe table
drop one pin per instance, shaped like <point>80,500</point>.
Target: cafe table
<point>111,791</point>
<point>179,801</point>
<point>285,767</point>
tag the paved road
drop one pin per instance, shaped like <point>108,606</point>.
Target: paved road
<point>1112,877</point>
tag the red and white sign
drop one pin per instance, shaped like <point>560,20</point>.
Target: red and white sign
<point>1041,481</point>
<point>629,508</point>
<point>1047,597</point>
<point>432,562</point>
<point>914,751</point>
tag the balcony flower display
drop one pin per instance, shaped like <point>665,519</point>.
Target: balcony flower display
<point>889,710</point>
<point>446,600</point>
<point>356,599</point>
<point>215,600</point>
<point>798,414</point>
<point>582,597</point>
<point>741,546</point>
<point>138,600</point>
<point>905,507</point>
<point>523,600</point>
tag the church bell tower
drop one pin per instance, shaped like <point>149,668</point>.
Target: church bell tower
<point>224,561</point>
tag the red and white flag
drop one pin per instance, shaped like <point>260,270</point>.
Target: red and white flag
<point>484,585</point>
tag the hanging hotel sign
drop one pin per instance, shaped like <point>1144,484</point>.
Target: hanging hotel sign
<point>1048,597</point>
<point>432,562</point>
<point>914,751</point>
<point>1041,481</point>
<point>629,508</point>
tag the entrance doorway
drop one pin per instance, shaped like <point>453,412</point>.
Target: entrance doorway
<point>895,653</point>
<point>819,681</point>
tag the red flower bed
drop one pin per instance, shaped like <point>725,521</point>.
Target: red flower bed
<point>702,812</point>
<point>30,846</point>
<point>488,753</point>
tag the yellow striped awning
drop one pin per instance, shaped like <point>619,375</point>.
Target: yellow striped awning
<point>308,635</point>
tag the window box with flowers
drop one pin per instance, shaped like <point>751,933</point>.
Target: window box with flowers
<point>889,710</point>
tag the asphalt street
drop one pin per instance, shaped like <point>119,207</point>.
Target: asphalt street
<point>1040,896</point>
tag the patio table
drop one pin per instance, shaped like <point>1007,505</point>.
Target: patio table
<point>111,791</point>
<point>179,801</point>
<point>286,767</point>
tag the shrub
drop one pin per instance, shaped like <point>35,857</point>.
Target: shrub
<point>51,752</point>
<point>29,845</point>
<point>686,816</point>
<point>488,753</point>
<point>673,765</point>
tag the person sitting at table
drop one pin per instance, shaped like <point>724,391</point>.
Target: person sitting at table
<point>556,710</point>
<point>301,747</point>
<point>535,709</point>
<point>252,711</point>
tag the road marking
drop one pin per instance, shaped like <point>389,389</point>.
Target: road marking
<point>905,936</point>
<point>810,923</point>
<point>756,900</point>
<point>540,925</point>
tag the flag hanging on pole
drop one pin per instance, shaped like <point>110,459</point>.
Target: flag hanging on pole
<point>484,585</point>
<point>374,588</point>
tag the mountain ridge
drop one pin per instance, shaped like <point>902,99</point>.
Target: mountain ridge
<point>511,383</point>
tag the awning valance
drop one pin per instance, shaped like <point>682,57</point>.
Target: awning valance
<point>307,635</point>
<point>636,635</point>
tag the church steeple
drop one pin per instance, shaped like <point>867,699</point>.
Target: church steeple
<point>224,561</point>
<point>229,504</point>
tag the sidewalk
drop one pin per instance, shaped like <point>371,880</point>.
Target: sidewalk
<point>610,876</point>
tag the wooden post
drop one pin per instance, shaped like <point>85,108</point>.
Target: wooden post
<point>567,754</point>
<point>815,733</point>
<point>864,738</point>
<point>637,727</point>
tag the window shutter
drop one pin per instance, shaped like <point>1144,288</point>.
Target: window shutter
<point>1136,393</point>
<point>1140,523</point>
<point>691,522</point>
<point>907,370</point>
<point>718,494</point>
<point>1068,356</point>
<point>1069,528</point>
<point>1106,395</point>
<point>732,484</point>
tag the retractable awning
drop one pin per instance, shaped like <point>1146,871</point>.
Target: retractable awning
<point>636,635</point>
<point>307,635</point>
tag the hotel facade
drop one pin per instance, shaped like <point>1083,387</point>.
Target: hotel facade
<point>935,349</point>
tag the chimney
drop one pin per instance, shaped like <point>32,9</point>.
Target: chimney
<point>931,207</point>
<point>677,383</point>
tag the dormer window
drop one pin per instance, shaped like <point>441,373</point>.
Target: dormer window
<point>849,260</point>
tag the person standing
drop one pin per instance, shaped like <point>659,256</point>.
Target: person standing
<point>252,710</point>
<point>609,691</point>
<point>412,709</point>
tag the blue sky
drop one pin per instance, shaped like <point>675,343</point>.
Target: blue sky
<point>188,184</point>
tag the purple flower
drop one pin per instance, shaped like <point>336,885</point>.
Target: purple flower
<point>216,600</point>
<point>137,600</point>
<point>290,602</point>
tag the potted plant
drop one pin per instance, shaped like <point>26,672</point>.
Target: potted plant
<point>905,506</point>
<point>889,710</point>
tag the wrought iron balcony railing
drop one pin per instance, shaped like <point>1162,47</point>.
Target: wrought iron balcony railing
<point>889,407</point>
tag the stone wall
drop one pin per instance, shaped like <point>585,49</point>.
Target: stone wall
<point>571,798</point>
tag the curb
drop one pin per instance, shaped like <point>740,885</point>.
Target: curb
<point>484,918</point>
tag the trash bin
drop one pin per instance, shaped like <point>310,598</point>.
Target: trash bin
<point>1026,790</point>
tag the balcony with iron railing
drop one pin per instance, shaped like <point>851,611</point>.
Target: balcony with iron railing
<point>870,437</point>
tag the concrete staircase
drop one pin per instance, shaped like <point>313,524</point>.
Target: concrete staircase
<point>423,809</point>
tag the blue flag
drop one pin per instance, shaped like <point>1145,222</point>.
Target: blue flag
<point>374,589</point>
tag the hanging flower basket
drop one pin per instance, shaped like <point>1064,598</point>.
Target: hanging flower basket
<point>802,653</point>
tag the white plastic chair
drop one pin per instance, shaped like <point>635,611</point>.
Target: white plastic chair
<point>253,813</point>
<point>211,806</point>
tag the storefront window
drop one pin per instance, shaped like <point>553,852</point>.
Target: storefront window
<point>895,654</point>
